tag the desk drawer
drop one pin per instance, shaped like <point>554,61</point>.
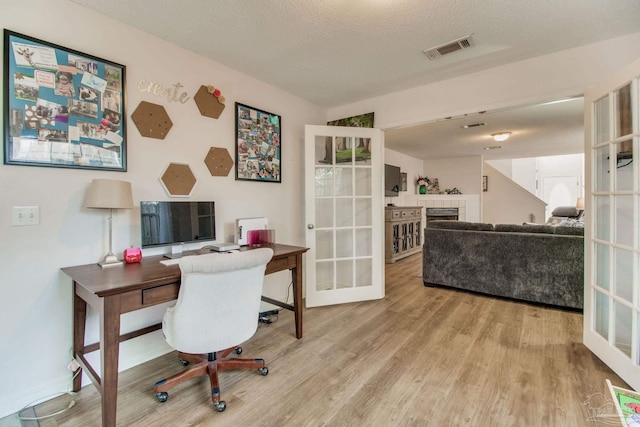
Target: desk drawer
<point>160,294</point>
<point>281,264</point>
<point>135,300</point>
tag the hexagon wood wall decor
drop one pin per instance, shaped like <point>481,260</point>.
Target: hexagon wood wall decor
<point>152,120</point>
<point>209,101</point>
<point>218,161</point>
<point>178,180</point>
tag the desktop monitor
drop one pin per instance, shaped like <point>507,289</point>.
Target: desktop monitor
<point>172,223</point>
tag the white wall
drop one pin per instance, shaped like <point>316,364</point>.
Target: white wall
<point>505,202</point>
<point>525,173</point>
<point>530,173</point>
<point>36,311</point>
<point>462,173</point>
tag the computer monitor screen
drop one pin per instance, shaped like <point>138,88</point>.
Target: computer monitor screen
<point>170,223</point>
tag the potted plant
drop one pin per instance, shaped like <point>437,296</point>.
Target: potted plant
<point>422,184</point>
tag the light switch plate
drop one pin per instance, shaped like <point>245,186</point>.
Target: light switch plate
<point>25,215</point>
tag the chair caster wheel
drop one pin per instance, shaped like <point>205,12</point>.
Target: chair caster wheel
<point>221,406</point>
<point>162,396</point>
<point>264,371</point>
<point>184,362</point>
<point>238,350</point>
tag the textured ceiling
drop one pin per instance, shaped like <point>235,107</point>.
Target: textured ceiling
<point>537,130</point>
<point>335,52</point>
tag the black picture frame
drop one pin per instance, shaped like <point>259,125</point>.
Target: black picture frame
<point>485,183</point>
<point>62,108</point>
<point>258,145</point>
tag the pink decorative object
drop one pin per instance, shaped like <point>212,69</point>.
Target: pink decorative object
<point>259,237</point>
<point>132,255</point>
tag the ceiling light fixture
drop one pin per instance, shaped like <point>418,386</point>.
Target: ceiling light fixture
<point>473,125</point>
<point>501,136</point>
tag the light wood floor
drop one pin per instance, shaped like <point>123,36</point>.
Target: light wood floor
<point>419,357</point>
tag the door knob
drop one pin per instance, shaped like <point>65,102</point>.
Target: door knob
<point>310,226</point>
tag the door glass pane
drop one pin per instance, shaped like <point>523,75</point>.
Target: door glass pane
<point>602,217</point>
<point>363,151</point>
<point>344,243</point>
<point>624,274</point>
<point>624,219</point>
<point>601,120</point>
<point>363,181</point>
<point>323,150</point>
<point>602,169</point>
<point>324,213</point>
<point>623,328</point>
<point>344,212</point>
<point>602,265</point>
<point>363,272</point>
<point>324,182</point>
<point>623,111</point>
<point>344,274</point>
<point>624,166</point>
<point>344,150</point>
<point>324,244</point>
<point>363,212</point>
<point>344,184</point>
<point>324,276</point>
<point>602,315</point>
<point>364,246</point>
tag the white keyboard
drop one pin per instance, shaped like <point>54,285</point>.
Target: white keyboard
<point>170,261</point>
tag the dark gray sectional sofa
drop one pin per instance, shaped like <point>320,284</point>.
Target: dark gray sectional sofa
<point>535,263</point>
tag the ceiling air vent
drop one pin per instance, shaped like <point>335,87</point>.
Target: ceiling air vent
<point>449,47</point>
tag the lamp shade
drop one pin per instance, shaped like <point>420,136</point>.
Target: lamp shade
<point>109,194</point>
<point>580,203</point>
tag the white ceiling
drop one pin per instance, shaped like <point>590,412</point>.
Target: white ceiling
<point>335,52</point>
<point>549,129</point>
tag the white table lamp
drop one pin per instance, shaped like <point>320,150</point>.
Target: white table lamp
<point>109,194</point>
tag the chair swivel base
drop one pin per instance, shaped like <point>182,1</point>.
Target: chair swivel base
<point>208,364</point>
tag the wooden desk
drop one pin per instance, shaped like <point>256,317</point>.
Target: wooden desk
<point>112,291</point>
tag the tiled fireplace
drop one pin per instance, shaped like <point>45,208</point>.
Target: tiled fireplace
<point>468,206</point>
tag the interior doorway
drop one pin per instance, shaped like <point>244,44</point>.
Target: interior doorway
<point>559,191</point>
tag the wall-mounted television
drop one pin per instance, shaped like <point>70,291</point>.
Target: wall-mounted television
<point>171,223</point>
<point>392,180</point>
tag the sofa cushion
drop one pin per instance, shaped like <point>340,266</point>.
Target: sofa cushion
<point>525,228</point>
<point>460,225</point>
<point>569,230</point>
<point>565,211</point>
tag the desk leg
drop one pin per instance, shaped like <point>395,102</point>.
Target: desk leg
<point>296,276</point>
<point>109,350</point>
<point>79,325</point>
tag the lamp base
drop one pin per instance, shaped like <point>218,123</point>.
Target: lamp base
<point>109,261</point>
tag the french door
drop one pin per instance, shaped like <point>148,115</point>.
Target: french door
<point>612,233</point>
<point>344,214</point>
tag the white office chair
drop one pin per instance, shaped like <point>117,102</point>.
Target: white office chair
<point>217,309</point>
